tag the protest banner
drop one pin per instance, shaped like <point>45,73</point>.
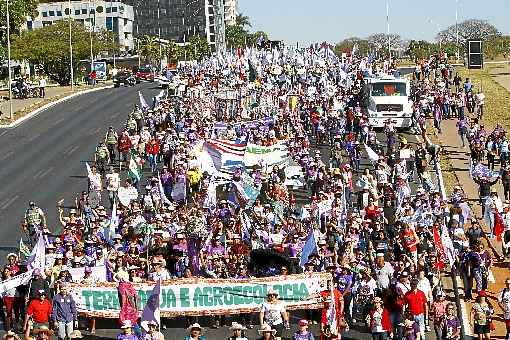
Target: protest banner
<point>267,155</point>
<point>197,297</point>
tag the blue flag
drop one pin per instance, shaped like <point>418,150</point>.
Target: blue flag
<point>309,248</point>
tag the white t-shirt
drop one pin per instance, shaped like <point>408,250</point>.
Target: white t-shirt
<point>113,182</point>
<point>273,313</point>
<point>504,299</point>
<point>424,286</point>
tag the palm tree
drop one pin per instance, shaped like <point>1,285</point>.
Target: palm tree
<point>173,52</point>
<point>149,48</point>
<point>243,20</point>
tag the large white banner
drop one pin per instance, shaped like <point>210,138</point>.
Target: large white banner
<point>207,296</point>
<point>265,155</point>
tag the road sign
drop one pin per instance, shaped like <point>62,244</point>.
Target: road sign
<point>475,54</point>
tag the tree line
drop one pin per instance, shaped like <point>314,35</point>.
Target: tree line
<point>451,40</point>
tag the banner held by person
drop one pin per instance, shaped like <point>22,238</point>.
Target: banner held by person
<point>206,296</point>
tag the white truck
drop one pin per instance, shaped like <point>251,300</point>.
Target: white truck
<point>390,99</point>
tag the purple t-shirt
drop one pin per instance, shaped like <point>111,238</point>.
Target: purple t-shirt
<point>343,282</point>
<point>451,327</point>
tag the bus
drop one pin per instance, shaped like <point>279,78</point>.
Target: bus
<point>389,98</point>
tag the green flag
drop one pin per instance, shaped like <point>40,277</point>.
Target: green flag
<point>135,168</point>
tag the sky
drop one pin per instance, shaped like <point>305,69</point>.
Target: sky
<point>307,21</point>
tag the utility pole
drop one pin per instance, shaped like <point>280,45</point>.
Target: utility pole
<point>159,38</point>
<point>9,59</point>
<point>457,27</point>
<point>113,31</point>
<point>388,27</point>
<point>91,32</point>
<point>70,45</point>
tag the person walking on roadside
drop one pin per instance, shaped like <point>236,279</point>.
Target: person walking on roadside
<point>63,314</point>
<point>481,317</point>
<point>504,304</point>
<point>42,87</point>
<point>111,140</point>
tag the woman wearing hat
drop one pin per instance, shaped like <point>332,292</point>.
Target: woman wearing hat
<point>127,331</point>
<point>481,316</point>
<point>10,301</point>
<point>12,264</point>
<point>195,332</point>
<point>266,332</point>
<point>42,333</point>
<point>237,332</point>
<point>273,313</point>
<point>152,332</point>
<point>303,332</point>
<point>378,320</point>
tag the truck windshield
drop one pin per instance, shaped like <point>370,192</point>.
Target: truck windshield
<point>388,89</point>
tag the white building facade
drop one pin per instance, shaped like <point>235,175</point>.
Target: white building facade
<point>230,12</point>
<point>98,15</point>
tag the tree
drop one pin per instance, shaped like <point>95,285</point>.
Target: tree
<point>468,29</point>
<point>149,49</point>
<point>49,47</point>
<point>379,42</point>
<point>346,46</point>
<point>253,38</point>
<point>173,52</point>
<point>18,12</point>
<point>197,48</point>
<point>243,20</point>
<point>236,36</point>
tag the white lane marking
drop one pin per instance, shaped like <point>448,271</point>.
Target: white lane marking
<point>47,171</point>
<point>7,155</point>
<point>37,135</point>
<point>9,202</point>
<point>71,150</point>
<point>38,173</point>
<point>3,133</point>
<point>58,121</point>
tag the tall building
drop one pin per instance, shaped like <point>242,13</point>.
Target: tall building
<point>230,12</point>
<point>107,15</point>
<point>179,20</point>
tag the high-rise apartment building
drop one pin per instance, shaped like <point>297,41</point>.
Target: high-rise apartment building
<point>179,20</point>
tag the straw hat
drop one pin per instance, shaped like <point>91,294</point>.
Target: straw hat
<point>266,328</point>
<point>43,329</point>
<point>195,326</point>
<point>271,291</point>
<point>10,334</point>
<point>237,327</point>
<point>75,335</point>
<point>126,324</point>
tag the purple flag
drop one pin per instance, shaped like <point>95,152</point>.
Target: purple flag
<point>194,244</point>
<point>151,310</point>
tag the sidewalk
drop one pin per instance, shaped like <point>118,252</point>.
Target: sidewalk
<point>459,159</point>
<point>22,107</point>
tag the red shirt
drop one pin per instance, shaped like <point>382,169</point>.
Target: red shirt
<point>416,302</point>
<point>40,310</point>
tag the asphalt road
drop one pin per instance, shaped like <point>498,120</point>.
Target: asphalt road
<point>43,159</point>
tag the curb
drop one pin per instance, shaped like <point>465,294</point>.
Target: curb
<point>51,104</point>
<point>457,290</point>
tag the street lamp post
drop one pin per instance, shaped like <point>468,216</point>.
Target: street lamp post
<point>388,27</point>
<point>457,27</point>
<point>91,33</point>
<point>71,47</point>
<point>9,59</point>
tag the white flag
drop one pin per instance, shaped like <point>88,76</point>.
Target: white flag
<point>143,103</point>
<point>164,199</point>
<point>37,258</point>
<point>372,155</point>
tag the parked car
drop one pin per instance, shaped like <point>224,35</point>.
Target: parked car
<point>145,73</point>
<point>124,78</point>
